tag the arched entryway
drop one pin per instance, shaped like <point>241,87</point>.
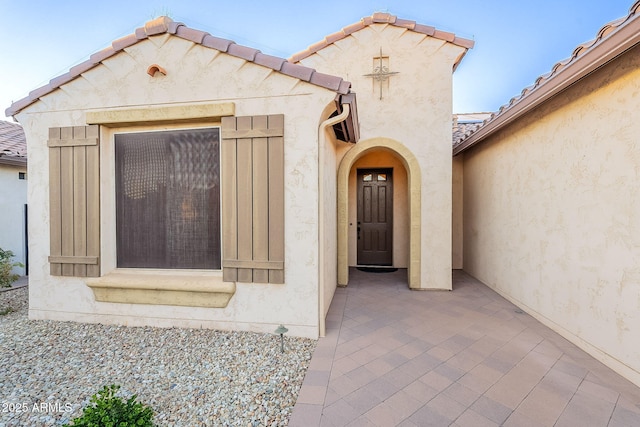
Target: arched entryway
<point>413,180</point>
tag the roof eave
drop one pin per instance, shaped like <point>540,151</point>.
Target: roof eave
<point>13,161</point>
<point>388,19</point>
<point>163,25</point>
<point>625,37</point>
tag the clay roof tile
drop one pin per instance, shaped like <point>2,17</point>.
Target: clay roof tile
<point>102,55</point>
<point>62,79</point>
<point>297,71</point>
<point>166,25</point>
<point>326,80</point>
<point>172,27</point>
<point>217,43</point>
<point>381,18</point>
<point>529,97</point>
<point>350,29</point>
<point>124,42</point>
<point>190,34</point>
<point>405,23</point>
<point>243,52</point>
<point>159,25</point>
<point>82,67</point>
<point>141,34</point>
<point>269,61</point>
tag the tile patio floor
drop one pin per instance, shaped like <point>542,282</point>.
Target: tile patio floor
<point>393,356</point>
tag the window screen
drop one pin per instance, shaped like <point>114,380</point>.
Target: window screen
<point>168,199</point>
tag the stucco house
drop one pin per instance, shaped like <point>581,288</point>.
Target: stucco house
<point>180,179</point>
<point>13,193</point>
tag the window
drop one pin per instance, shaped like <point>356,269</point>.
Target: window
<point>168,199</point>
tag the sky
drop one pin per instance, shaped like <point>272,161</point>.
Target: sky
<point>516,41</point>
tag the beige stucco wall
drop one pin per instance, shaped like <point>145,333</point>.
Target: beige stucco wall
<point>552,214</point>
<point>456,213</point>
<point>13,197</point>
<point>329,212</point>
<point>383,159</point>
<point>415,110</point>
<point>195,75</point>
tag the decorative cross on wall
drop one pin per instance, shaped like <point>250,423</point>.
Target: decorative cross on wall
<point>381,71</point>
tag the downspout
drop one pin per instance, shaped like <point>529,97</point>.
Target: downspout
<point>321,254</point>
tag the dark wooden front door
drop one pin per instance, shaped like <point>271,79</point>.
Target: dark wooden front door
<point>375,217</point>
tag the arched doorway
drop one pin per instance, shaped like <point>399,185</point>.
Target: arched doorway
<point>413,201</point>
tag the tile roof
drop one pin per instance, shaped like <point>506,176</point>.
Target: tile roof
<point>165,24</point>
<point>12,140</point>
<point>465,123</point>
<point>612,40</point>
<point>382,18</point>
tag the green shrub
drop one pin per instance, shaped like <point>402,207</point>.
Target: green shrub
<point>108,410</point>
<point>6,277</point>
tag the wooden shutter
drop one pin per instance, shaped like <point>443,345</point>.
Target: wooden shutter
<point>74,197</point>
<point>253,199</point>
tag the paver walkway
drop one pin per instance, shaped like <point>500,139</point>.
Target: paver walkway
<point>464,358</point>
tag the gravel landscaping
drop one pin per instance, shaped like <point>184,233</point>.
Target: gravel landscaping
<point>189,377</point>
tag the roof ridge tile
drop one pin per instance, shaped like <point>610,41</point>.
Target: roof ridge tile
<point>61,79</point>
<point>326,80</point>
<point>381,18</point>
<point>295,70</point>
<point>270,61</point>
<point>582,49</point>
<point>384,18</point>
<point>244,52</point>
<point>217,43</point>
<point>425,29</point>
<point>356,26</point>
<point>159,25</point>
<point>405,23</point>
<point>124,42</point>
<point>191,34</point>
<point>173,26</point>
<point>165,24</point>
<point>103,54</point>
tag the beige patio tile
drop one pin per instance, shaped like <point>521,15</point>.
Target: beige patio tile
<point>313,395</point>
<point>461,358</point>
<point>598,391</point>
<point>585,410</point>
<point>480,378</point>
<point>420,391</point>
<point>470,418</point>
<point>436,381</point>
<point>461,394</point>
<point>446,406</point>
<point>544,405</point>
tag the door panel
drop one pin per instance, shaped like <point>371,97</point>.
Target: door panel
<point>375,217</point>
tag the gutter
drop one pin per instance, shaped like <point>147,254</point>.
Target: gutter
<point>606,50</point>
<point>321,247</point>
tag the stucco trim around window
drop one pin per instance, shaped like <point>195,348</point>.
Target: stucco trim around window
<point>118,117</point>
<point>195,288</point>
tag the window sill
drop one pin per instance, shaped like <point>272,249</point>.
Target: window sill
<point>183,288</point>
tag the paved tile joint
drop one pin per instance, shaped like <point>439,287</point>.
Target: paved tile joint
<point>393,356</point>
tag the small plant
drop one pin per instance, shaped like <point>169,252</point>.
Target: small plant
<point>5,311</point>
<point>6,277</point>
<point>108,410</point>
